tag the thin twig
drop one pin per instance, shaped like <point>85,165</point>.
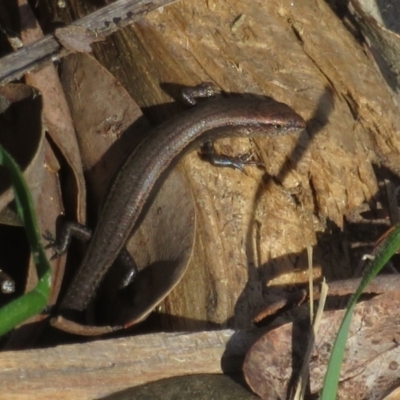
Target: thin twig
<point>103,22</point>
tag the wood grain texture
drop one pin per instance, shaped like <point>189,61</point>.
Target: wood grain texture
<point>93,370</point>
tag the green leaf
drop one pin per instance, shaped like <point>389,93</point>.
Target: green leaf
<point>33,302</point>
<point>331,383</point>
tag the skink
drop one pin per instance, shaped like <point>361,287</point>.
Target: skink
<point>146,167</point>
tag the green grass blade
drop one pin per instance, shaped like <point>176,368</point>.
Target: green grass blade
<point>33,302</point>
<point>331,383</point>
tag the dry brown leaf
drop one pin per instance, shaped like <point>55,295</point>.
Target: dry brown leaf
<point>56,117</point>
<point>108,129</point>
<point>372,359</point>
